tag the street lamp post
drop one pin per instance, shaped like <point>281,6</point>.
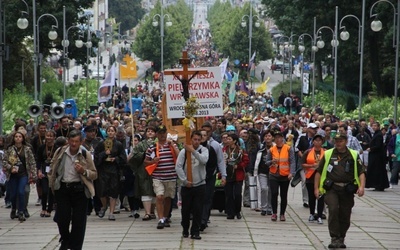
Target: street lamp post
<point>344,35</point>
<point>162,16</point>
<point>88,44</point>
<point>302,49</point>
<point>102,45</point>
<point>334,43</point>
<point>257,24</point>
<point>65,44</point>
<point>282,48</point>
<point>291,47</point>
<point>376,26</point>
<point>22,23</point>
<point>123,49</point>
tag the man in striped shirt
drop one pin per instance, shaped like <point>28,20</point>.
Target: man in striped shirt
<point>164,154</point>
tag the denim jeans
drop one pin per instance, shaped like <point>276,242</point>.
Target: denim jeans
<point>394,179</point>
<point>17,191</point>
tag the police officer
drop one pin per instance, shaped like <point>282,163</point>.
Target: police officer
<point>339,176</point>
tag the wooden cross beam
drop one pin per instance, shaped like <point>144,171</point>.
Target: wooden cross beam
<point>185,80</point>
<point>185,73</point>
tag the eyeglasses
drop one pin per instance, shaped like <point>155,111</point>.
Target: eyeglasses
<point>224,137</point>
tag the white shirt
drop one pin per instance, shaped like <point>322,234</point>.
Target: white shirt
<point>70,174</point>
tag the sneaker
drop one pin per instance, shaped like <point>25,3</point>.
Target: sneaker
<point>311,218</point>
<point>102,212</point>
<point>274,217</point>
<point>38,202</point>
<point>8,204</point>
<point>111,217</point>
<point>166,223</point>
<point>160,224</point>
<point>282,217</point>
<point>306,205</point>
<point>263,213</point>
<point>320,221</point>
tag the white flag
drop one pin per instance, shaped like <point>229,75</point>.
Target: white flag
<point>223,67</point>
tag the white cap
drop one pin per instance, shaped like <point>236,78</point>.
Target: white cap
<point>312,125</point>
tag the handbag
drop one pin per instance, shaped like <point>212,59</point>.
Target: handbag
<point>150,168</point>
<point>297,178</point>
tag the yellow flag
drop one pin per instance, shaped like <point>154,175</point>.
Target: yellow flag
<point>128,71</point>
<point>263,87</point>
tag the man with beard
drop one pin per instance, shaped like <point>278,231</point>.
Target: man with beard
<point>90,143</point>
<point>65,129</point>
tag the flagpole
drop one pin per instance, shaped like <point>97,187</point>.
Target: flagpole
<point>131,107</point>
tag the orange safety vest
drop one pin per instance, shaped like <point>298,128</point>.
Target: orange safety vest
<point>283,160</point>
<point>311,159</point>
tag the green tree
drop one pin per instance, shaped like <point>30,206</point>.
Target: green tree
<point>20,42</point>
<point>296,16</point>
<point>232,39</point>
<point>148,42</point>
<point>126,12</point>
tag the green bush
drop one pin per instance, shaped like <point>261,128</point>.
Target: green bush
<point>346,103</point>
<point>17,101</point>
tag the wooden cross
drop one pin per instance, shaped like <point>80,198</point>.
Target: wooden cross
<point>185,80</point>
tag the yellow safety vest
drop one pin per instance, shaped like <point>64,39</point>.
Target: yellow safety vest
<point>328,154</point>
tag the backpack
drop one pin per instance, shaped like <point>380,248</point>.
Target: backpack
<point>211,164</point>
<point>287,102</point>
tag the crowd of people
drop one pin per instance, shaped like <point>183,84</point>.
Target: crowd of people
<point>116,167</point>
<point>112,159</point>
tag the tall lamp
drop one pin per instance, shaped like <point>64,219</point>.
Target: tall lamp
<point>256,24</point>
<point>22,23</point>
<point>345,35</point>
<point>155,23</point>
<point>376,26</point>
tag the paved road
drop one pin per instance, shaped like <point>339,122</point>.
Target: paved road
<point>375,225</point>
<point>275,77</point>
